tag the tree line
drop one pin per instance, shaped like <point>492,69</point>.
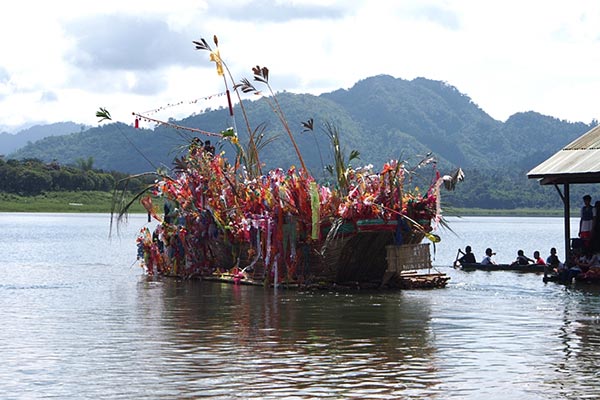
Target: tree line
<point>486,189</point>
<point>30,177</point>
<point>511,189</point>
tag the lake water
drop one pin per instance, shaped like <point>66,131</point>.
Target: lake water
<point>79,320</point>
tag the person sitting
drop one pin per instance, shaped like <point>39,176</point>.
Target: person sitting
<point>539,260</point>
<point>467,258</point>
<point>592,274</point>
<point>552,259</point>
<point>522,259</point>
<point>579,264</point>
<point>210,149</point>
<point>195,146</point>
<point>556,266</point>
<point>587,261</point>
<point>487,260</point>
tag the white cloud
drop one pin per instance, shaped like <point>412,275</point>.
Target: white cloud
<point>120,42</point>
<point>62,60</point>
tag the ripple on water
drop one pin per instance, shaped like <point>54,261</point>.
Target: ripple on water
<point>76,327</point>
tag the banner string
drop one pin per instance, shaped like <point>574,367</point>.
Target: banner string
<point>141,117</point>
<point>170,105</point>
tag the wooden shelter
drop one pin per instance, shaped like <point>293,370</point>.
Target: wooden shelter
<point>576,163</point>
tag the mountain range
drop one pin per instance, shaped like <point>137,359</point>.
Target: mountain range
<point>11,142</point>
<point>382,117</point>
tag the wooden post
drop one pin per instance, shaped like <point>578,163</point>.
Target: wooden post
<point>567,204</point>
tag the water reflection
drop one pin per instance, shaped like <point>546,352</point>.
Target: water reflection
<point>225,339</point>
<point>577,371</point>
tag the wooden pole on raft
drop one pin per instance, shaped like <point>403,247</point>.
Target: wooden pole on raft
<point>276,275</point>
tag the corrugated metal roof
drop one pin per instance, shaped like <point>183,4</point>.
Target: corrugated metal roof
<point>588,141</point>
<point>578,162</point>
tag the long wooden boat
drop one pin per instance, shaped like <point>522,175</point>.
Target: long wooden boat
<point>503,267</point>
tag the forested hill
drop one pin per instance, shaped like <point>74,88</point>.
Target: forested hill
<point>451,125</point>
<point>382,117</point>
<point>10,142</point>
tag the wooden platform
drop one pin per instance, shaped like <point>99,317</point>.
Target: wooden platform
<point>228,278</point>
<point>415,280</point>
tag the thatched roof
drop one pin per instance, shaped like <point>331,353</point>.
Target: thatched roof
<point>578,162</point>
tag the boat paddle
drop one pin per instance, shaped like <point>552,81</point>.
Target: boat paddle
<point>456,264</point>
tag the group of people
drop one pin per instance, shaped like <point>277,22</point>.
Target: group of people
<point>469,258</point>
<point>197,146</point>
<point>584,259</point>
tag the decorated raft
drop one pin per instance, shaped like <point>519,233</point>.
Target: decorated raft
<point>284,228</point>
<point>231,222</point>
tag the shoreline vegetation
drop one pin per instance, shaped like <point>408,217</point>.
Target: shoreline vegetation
<point>517,212</point>
<point>101,202</point>
<point>62,202</point>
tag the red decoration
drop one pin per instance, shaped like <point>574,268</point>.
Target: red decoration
<point>229,103</point>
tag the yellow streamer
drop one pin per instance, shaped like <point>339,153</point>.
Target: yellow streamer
<point>315,205</point>
<point>216,57</point>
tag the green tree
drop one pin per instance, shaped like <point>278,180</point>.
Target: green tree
<point>85,164</point>
<point>33,182</point>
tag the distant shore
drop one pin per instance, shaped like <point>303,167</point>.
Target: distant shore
<point>101,202</point>
<point>517,212</point>
<point>62,202</point>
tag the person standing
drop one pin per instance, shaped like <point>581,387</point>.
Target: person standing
<point>595,237</point>
<point>586,222</point>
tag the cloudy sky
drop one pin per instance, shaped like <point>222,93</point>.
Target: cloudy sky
<point>61,60</point>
